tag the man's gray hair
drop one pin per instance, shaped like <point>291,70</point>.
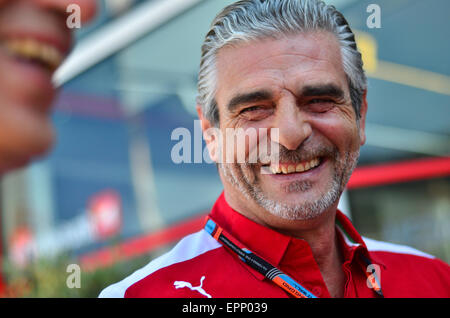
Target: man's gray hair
<point>249,20</point>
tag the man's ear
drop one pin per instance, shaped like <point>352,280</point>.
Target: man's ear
<point>211,135</point>
<point>362,119</point>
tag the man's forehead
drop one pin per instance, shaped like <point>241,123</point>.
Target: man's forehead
<point>313,44</point>
<point>306,59</point>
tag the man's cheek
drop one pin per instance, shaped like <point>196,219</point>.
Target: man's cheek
<point>23,134</point>
<point>251,145</point>
<point>228,150</point>
<point>249,173</point>
<point>16,85</point>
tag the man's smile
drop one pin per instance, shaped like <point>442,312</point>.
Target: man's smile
<point>30,50</point>
<point>287,168</point>
<point>307,171</point>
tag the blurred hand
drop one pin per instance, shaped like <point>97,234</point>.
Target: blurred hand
<point>34,40</point>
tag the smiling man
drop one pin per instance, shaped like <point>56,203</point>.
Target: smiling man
<point>293,66</point>
<point>34,40</point>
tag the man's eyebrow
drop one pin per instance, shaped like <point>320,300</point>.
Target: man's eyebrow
<point>330,90</point>
<point>246,98</point>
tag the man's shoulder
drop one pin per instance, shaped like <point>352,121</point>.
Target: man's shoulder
<point>187,249</point>
<point>405,259</point>
<point>375,246</point>
<point>409,272</point>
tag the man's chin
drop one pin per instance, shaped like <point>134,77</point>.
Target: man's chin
<point>304,212</point>
<point>293,193</point>
<point>304,204</point>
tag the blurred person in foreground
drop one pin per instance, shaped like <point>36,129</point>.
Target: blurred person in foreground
<point>276,231</point>
<point>34,41</point>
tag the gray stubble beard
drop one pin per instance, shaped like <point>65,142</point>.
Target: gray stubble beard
<point>240,177</point>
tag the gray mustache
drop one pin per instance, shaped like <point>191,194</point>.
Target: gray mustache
<point>306,153</point>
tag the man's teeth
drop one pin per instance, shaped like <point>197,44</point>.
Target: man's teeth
<point>301,167</point>
<point>31,49</point>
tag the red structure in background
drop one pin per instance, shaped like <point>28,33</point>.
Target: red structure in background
<point>397,172</point>
<point>140,245</point>
<point>366,176</point>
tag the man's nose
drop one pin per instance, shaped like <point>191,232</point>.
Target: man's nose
<point>293,125</point>
<point>88,8</point>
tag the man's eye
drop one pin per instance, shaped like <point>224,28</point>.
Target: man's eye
<point>319,105</point>
<point>318,100</point>
<point>250,109</point>
<point>257,112</point>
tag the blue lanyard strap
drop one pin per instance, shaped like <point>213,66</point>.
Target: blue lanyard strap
<point>271,272</point>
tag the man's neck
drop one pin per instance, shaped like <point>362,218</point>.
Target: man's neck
<point>326,251</point>
<point>320,233</point>
<point>322,239</point>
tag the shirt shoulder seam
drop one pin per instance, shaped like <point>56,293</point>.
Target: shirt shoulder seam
<point>188,248</point>
<point>381,246</point>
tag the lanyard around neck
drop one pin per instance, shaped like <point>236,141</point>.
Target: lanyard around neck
<point>281,279</point>
<point>271,272</point>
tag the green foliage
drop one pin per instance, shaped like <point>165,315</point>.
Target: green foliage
<point>47,278</point>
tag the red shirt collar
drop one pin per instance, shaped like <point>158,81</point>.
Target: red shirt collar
<point>277,248</point>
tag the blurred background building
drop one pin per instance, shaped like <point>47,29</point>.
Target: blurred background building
<point>110,192</point>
